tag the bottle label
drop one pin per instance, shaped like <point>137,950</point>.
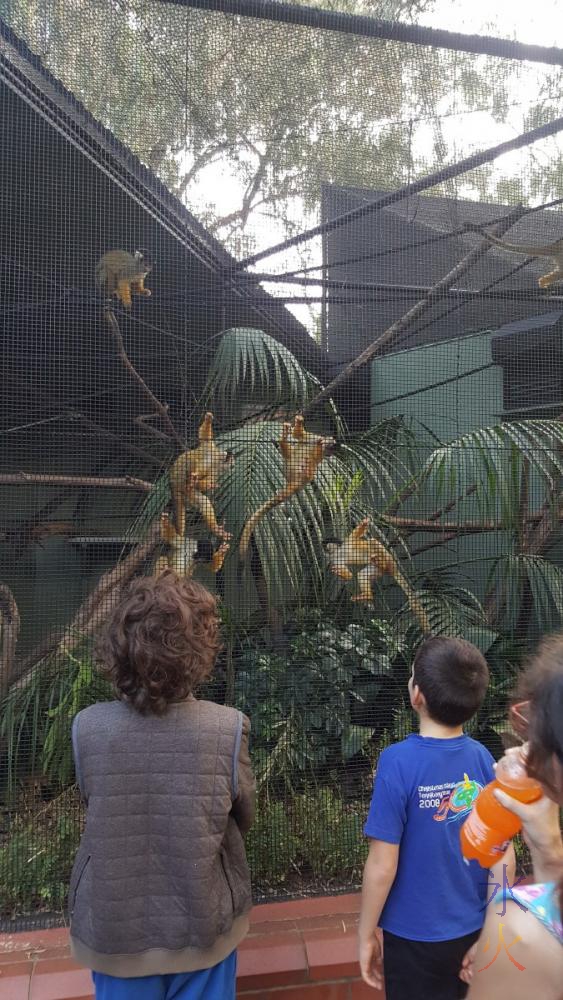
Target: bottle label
<point>481,835</point>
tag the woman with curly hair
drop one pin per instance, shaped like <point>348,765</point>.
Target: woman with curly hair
<point>519,955</point>
<point>160,889</point>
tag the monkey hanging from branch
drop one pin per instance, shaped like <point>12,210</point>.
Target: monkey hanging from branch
<point>552,250</point>
<point>120,273</point>
<point>184,555</point>
<point>376,561</point>
<point>196,473</point>
<point>302,453</point>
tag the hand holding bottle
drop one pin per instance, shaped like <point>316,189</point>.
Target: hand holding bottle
<point>490,824</point>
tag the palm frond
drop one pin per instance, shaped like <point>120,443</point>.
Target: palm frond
<point>490,460</point>
<point>382,455</point>
<point>289,538</point>
<point>251,366</point>
<point>545,581</point>
<point>451,610</point>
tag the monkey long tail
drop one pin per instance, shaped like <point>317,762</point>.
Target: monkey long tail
<point>415,605</point>
<point>522,248</point>
<point>250,525</point>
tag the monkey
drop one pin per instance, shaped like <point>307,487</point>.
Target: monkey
<point>195,473</point>
<point>553,250</point>
<point>301,458</point>
<point>119,273</point>
<point>184,555</point>
<point>376,560</point>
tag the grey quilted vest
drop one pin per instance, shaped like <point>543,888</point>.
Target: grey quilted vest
<point>161,863</point>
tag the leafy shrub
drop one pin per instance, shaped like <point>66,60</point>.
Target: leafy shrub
<point>305,703</point>
<point>37,857</point>
<point>312,838</point>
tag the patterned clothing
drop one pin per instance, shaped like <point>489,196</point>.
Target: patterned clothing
<point>542,901</point>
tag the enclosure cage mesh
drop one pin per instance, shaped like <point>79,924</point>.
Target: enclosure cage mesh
<point>224,147</point>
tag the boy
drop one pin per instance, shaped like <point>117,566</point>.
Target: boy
<point>417,886</point>
<point>160,891</point>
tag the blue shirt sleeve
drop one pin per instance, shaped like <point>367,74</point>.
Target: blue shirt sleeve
<point>488,764</point>
<point>388,810</point>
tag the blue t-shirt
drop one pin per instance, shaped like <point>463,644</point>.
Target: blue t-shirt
<point>424,788</point>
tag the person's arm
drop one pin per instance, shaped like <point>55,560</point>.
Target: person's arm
<point>244,804</point>
<point>516,959</point>
<point>384,827</point>
<point>379,875</point>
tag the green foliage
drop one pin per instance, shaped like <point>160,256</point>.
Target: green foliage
<point>304,701</point>
<point>36,860</point>
<point>252,370</point>
<point>315,837</point>
<point>516,572</point>
<point>362,477</point>
<point>36,719</point>
<point>490,461</point>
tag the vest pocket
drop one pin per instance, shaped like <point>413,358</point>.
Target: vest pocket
<point>77,883</point>
<point>225,867</point>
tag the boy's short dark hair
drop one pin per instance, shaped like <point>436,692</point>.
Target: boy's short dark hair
<point>453,676</point>
<point>160,642</point>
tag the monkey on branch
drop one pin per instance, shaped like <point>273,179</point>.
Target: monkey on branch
<point>196,473</point>
<point>119,273</point>
<point>302,453</point>
<point>375,561</point>
<point>554,251</point>
<point>184,555</point>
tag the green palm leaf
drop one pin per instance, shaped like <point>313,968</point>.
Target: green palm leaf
<point>545,582</point>
<point>452,610</point>
<point>491,459</point>
<point>253,369</point>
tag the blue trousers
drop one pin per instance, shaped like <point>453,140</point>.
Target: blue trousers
<point>217,983</point>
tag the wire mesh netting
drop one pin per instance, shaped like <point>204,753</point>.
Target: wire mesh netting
<point>309,208</point>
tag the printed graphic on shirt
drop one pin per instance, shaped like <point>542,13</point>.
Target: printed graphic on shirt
<point>450,801</point>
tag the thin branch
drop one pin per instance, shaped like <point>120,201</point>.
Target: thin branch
<point>408,190</point>
<point>435,544</point>
<point>161,408</point>
<point>412,524</point>
<point>43,479</point>
<point>126,445</point>
<point>141,421</point>
<point>433,295</point>
<point>420,524</point>
<point>94,609</point>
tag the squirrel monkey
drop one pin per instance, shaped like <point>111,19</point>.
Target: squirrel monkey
<point>376,560</point>
<point>301,457</point>
<point>120,273</point>
<point>195,473</point>
<point>553,250</point>
<point>183,555</point>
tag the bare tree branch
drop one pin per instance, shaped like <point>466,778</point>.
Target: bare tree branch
<point>45,479</point>
<point>433,295</point>
<point>102,432</point>
<point>94,609</point>
<point>161,408</point>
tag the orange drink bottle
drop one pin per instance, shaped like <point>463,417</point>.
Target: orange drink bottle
<point>488,829</point>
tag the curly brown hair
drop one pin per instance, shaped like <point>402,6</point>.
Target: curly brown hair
<point>161,641</point>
